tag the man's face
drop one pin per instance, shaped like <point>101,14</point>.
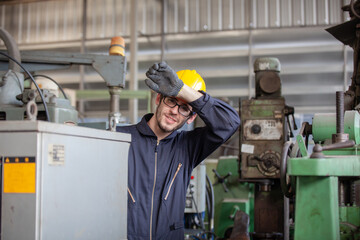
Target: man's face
<point>169,119</point>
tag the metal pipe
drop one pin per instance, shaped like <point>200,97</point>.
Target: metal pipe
<point>114,100</point>
<point>114,115</point>
<point>250,54</point>
<point>345,77</point>
<point>12,49</point>
<point>250,77</point>
<point>133,103</point>
<point>163,26</point>
<point>83,50</point>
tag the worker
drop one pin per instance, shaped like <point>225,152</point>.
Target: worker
<point>161,158</point>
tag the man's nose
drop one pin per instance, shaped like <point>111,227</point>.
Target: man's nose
<point>175,110</point>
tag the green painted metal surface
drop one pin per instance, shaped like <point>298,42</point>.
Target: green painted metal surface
<point>318,215</point>
<point>261,112</point>
<point>261,108</point>
<point>239,197</point>
<point>350,214</point>
<point>344,151</point>
<point>324,125</point>
<point>316,208</point>
<point>227,211</point>
<point>301,144</point>
<point>267,64</point>
<point>331,166</point>
<point>349,222</point>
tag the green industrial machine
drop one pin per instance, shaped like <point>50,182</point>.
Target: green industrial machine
<point>325,186</point>
<point>249,203</point>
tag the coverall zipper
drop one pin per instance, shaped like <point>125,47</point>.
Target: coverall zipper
<point>153,191</point>
<point>131,195</point>
<point>172,181</point>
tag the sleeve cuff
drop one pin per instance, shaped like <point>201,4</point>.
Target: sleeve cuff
<point>201,103</point>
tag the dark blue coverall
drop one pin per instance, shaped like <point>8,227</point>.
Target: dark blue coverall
<point>159,171</point>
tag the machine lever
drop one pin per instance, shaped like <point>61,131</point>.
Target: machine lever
<point>288,121</point>
<point>294,123</point>
<point>346,144</point>
<point>317,150</point>
<point>290,111</point>
<point>222,179</point>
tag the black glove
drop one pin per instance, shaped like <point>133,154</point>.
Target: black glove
<point>163,79</point>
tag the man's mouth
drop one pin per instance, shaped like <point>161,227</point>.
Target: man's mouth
<point>170,119</point>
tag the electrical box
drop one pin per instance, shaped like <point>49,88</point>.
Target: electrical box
<point>62,182</point>
<point>196,192</point>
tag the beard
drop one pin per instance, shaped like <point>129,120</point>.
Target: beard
<point>164,127</point>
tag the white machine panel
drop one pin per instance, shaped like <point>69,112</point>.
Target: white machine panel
<point>73,182</point>
<point>269,129</point>
<point>196,192</point>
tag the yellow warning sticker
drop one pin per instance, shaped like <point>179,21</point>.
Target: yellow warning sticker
<point>19,174</point>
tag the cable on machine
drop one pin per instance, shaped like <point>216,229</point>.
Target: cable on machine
<point>197,211</point>
<point>210,202</point>
<point>33,80</point>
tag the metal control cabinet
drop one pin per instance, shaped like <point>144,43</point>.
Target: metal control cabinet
<point>62,182</point>
<point>262,137</point>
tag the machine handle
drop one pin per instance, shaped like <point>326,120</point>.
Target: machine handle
<point>290,111</point>
<point>290,130</point>
<point>12,49</point>
<point>338,145</point>
<point>317,150</point>
<point>294,123</point>
<point>222,179</point>
<point>234,210</point>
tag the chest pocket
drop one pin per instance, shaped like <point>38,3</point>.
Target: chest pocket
<point>170,187</point>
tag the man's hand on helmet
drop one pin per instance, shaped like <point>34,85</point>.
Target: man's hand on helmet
<point>163,79</point>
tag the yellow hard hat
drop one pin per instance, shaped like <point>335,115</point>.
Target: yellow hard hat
<point>192,79</point>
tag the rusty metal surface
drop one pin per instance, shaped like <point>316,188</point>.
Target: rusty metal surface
<point>241,227</point>
<point>262,137</point>
<point>269,213</point>
<point>270,83</point>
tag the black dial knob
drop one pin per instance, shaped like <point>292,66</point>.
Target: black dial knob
<point>256,129</point>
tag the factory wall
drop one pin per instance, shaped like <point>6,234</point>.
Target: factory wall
<point>219,38</point>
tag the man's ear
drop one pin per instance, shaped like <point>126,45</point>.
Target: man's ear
<point>158,99</point>
<point>191,119</point>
